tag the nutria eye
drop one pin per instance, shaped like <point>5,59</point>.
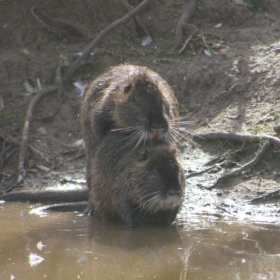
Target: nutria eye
<point>144,156</point>
<point>127,88</point>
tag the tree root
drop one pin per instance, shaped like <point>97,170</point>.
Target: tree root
<point>187,14</point>
<point>59,27</point>
<point>240,137</point>
<point>268,198</point>
<point>244,167</point>
<point>269,140</point>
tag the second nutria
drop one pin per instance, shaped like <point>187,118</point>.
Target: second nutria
<point>142,185</point>
<point>130,98</point>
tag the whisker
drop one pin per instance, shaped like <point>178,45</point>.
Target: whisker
<point>168,136</point>
<point>154,201</point>
<point>146,135</point>
<point>183,118</point>
<point>183,137</point>
<point>144,204</point>
<point>185,123</point>
<point>141,138</point>
<point>132,139</point>
<point>126,128</point>
<point>193,133</point>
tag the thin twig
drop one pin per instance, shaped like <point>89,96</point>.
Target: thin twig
<point>195,30</point>
<point>71,70</point>
<point>16,142</point>
<point>61,163</point>
<point>185,44</point>
<point>194,174</point>
<point>223,209</point>
<point>130,8</point>
<point>25,133</point>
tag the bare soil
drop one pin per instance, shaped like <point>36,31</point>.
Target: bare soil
<point>227,79</point>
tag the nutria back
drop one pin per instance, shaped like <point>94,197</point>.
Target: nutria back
<point>132,99</point>
<point>143,185</point>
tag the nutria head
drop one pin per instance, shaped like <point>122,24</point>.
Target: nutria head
<point>159,180</point>
<point>142,103</point>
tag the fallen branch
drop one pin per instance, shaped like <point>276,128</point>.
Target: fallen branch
<point>52,196</point>
<point>76,64</point>
<point>185,17</point>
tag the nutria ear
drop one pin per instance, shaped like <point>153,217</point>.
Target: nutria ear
<point>144,155</point>
<point>127,89</point>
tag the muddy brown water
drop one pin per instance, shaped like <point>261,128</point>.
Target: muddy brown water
<point>69,246</point>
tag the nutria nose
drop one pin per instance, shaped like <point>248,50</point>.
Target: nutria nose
<point>174,193</point>
<point>158,127</point>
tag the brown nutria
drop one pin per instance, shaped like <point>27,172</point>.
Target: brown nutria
<point>130,98</point>
<point>142,185</point>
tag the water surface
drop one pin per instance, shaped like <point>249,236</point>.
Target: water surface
<point>68,246</point>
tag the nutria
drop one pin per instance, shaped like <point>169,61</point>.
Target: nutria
<point>138,185</point>
<point>131,98</point>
